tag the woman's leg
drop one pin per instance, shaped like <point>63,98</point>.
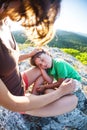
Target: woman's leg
<point>49,91</point>
<point>61,106</point>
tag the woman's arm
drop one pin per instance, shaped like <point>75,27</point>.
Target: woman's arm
<point>30,101</point>
<point>23,57</point>
<point>28,55</point>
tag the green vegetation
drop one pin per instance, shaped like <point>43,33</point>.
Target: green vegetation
<point>71,43</point>
<point>25,45</point>
<point>65,39</point>
<point>82,56</point>
<point>20,36</point>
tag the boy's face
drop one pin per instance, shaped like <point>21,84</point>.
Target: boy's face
<point>44,61</point>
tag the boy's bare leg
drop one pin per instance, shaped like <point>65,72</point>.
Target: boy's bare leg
<point>37,83</point>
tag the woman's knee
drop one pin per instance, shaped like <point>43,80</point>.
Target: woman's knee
<point>49,91</point>
<point>74,100</point>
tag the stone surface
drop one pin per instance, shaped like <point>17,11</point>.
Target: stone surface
<point>75,120</point>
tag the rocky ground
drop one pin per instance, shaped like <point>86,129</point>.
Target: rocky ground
<point>75,120</point>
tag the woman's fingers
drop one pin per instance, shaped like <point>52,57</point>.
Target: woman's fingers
<point>67,86</point>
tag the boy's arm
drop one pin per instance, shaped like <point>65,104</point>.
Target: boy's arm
<point>50,86</point>
<point>55,84</point>
<point>46,77</point>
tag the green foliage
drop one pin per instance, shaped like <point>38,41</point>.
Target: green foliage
<point>25,45</point>
<point>29,43</point>
<point>20,36</point>
<point>82,57</point>
<point>71,51</point>
<point>77,54</point>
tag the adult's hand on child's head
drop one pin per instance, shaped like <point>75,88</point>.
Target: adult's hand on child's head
<point>67,86</point>
<point>35,51</point>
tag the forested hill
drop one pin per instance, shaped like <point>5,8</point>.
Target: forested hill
<point>62,39</point>
<point>20,36</point>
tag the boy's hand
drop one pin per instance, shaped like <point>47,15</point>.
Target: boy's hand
<point>41,89</point>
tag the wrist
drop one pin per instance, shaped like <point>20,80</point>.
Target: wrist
<point>29,55</point>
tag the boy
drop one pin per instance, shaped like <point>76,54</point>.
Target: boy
<point>57,69</point>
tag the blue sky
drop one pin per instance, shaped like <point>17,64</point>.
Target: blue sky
<point>73,16</point>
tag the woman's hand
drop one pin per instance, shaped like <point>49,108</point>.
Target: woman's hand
<point>67,86</point>
<point>28,55</point>
<point>36,50</point>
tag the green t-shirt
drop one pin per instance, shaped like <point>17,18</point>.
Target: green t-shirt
<point>62,69</point>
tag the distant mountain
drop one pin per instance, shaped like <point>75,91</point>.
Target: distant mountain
<point>83,34</point>
<point>20,36</point>
<point>64,39</point>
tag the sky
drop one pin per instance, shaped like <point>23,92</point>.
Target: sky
<point>73,16</point>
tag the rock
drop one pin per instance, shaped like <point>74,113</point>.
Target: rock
<point>15,121</point>
<point>74,120</point>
